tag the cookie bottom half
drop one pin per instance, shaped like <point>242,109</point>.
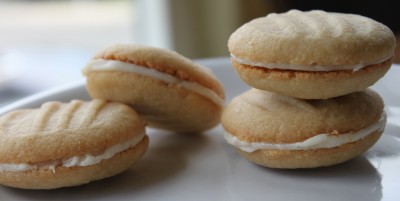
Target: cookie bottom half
<point>311,85</point>
<point>292,159</point>
<point>74,176</point>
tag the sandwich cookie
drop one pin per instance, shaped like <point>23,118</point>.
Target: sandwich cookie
<point>68,144</point>
<point>313,54</point>
<point>284,132</point>
<point>167,89</point>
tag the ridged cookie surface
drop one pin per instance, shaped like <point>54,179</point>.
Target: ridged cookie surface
<point>313,38</point>
<point>61,130</point>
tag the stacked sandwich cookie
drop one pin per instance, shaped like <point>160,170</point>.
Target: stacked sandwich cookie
<point>310,105</point>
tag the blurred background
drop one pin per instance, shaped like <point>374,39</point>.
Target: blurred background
<point>46,43</point>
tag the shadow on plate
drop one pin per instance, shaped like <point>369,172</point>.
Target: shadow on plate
<point>356,179</point>
<point>167,156</point>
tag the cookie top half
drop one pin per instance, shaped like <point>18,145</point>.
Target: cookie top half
<point>312,38</point>
<point>157,59</point>
<point>61,130</point>
<point>263,116</point>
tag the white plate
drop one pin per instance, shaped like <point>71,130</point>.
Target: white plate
<point>205,167</point>
<point>10,68</point>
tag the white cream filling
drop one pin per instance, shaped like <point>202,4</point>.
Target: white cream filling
<point>319,141</point>
<point>113,65</point>
<point>316,68</point>
<point>84,160</point>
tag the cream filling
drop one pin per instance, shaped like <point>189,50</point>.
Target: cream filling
<point>324,140</point>
<point>112,65</point>
<point>316,68</point>
<point>84,160</point>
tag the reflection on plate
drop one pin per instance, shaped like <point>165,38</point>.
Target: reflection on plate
<point>204,167</point>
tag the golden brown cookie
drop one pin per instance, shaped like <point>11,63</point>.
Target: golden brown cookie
<point>168,90</point>
<point>68,144</point>
<point>313,54</point>
<point>285,132</point>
